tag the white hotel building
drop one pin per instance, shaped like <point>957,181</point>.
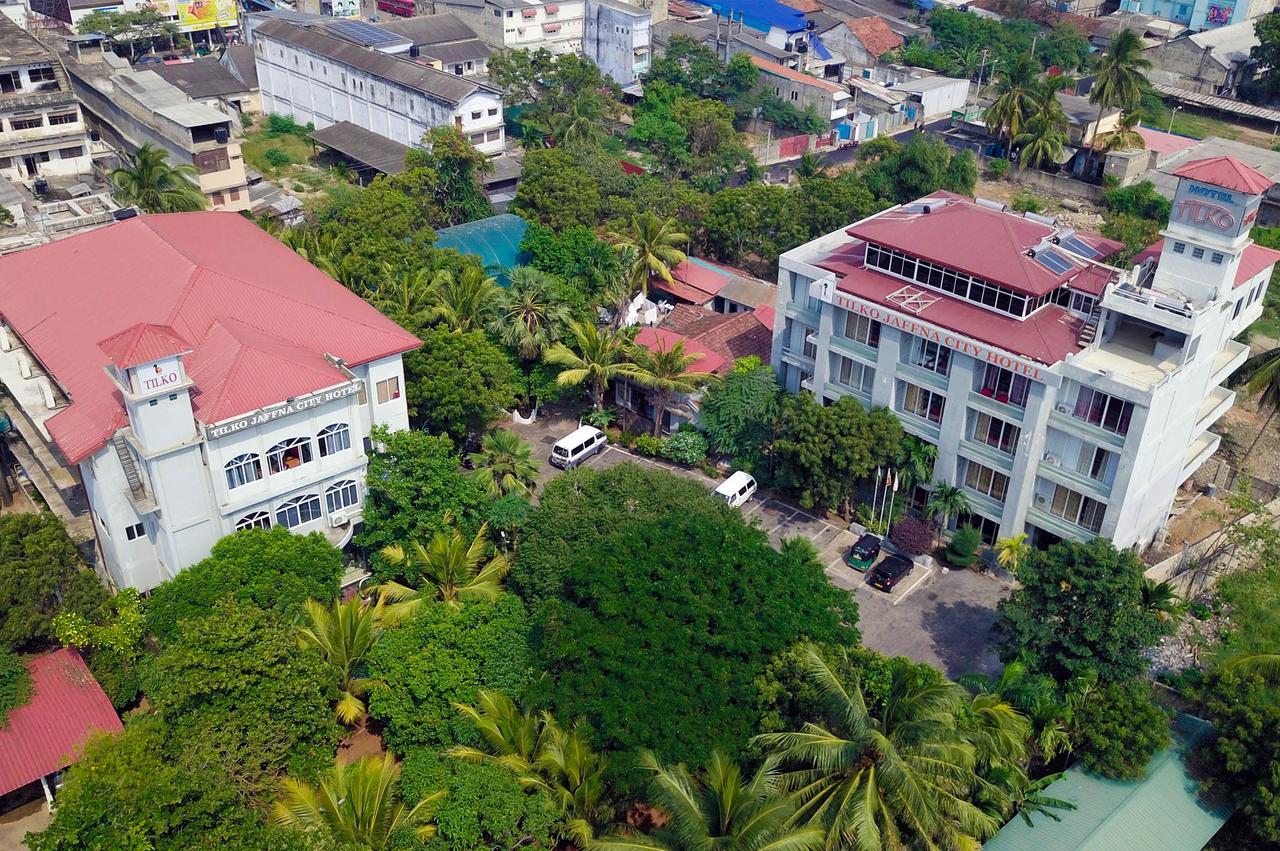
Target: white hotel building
<point>202,378</point>
<point>1066,397</point>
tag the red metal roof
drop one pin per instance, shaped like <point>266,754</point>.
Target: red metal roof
<point>682,291</point>
<point>1163,143</point>
<point>798,76</point>
<point>1254,260</point>
<point>1047,336</point>
<point>143,343</point>
<point>874,34</point>
<point>67,706</point>
<point>1227,172</point>
<point>259,318</point>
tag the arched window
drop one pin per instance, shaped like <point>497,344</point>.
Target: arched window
<point>299,510</point>
<point>288,454</point>
<point>333,439</point>
<point>243,469</point>
<point>255,520</point>
<point>340,495</point>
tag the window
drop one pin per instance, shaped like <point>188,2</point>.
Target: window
<point>288,454</point>
<point>388,389</point>
<point>795,96</point>
<point>860,329</point>
<point>477,138</point>
<point>923,403</point>
<point>1179,248</point>
<point>41,75</point>
<point>333,439</point>
<point>63,118</point>
<point>494,110</point>
<point>810,348</point>
<point>1076,508</point>
<point>70,153</point>
<point>1005,387</point>
<point>476,115</point>
<point>242,469</point>
<point>493,135</point>
<point>1197,253</point>
<point>986,480</point>
<point>930,355</point>
<point>235,194</point>
<point>27,123</point>
<point>217,198</point>
<point>1097,463</point>
<point>299,510</point>
<point>1103,411</point>
<point>1081,303</point>
<point>255,520</point>
<point>341,495</point>
<point>1216,258</point>
<point>988,528</point>
<point>852,373</point>
<point>995,432</point>
<point>10,81</point>
<point>1239,306</point>
<point>132,533</point>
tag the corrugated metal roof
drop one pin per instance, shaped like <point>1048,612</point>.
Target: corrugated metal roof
<point>1227,172</point>
<point>1164,810</point>
<point>67,705</point>
<point>364,146</point>
<point>191,272</point>
<point>143,343</point>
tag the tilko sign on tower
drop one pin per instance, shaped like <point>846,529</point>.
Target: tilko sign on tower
<point>1216,210</point>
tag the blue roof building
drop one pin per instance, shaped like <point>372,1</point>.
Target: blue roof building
<point>495,240</point>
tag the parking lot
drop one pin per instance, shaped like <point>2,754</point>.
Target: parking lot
<point>930,617</point>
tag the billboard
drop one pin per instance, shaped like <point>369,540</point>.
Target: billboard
<point>1224,212</point>
<point>206,14</point>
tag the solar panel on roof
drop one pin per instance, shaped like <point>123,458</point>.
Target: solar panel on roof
<point>1078,246</point>
<point>1053,261</point>
<point>366,34</point>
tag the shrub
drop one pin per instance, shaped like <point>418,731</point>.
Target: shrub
<point>15,683</point>
<point>277,158</point>
<point>602,418</point>
<point>686,447</point>
<point>1025,202</point>
<point>963,549</point>
<point>1121,728</point>
<point>1140,200</point>
<point>647,444</point>
<point>284,125</point>
<point>912,535</point>
<point>997,168</point>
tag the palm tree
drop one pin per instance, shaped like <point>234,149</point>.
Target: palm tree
<point>148,182</point>
<point>1036,697</point>
<point>1125,137</point>
<point>945,502</point>
<point>915,461</point>
<point>569,770</point>
<point>964,60</point>
<point>666,374</point>
<point>1260,376</point>
<point>1012,552</point>
<point>580,126</point>
<point>1162,600</point>
<point>356,805</point>
<point>1014,101</point>
<point>810,165</point>
<point>1044,136</point>
<point>504,464</point>
<point>898,778</point>
<point>344,634</point>
<point>1265,665</point>
<point>510,734</point>
<point>1118,81</point>
<point>656,243</point>
<point>403,294</point>
<point>464,301</point>
<point>455,572</point>
<point>527,316</point>
<point>601,358</point>
<point>719,810</point>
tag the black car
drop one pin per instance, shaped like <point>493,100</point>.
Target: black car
<point>890,572</point>
<point>864,552</point>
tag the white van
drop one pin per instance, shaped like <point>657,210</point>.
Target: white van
<point>573,449</point>
<point>737,489</point>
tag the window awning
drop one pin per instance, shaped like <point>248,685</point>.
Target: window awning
<point>528,13</point>
<point>552,9</point>
<point>550,28</point>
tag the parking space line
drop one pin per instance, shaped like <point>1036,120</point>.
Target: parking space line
<point>756,505</point>
<point>915,585</point>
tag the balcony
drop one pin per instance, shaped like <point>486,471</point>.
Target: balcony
<point>1062,418</point>
<point>1057,525</point>
<point>1198,452</point>
<point>992,405</point>
<point>1217,403</point>
<point>1130,356</point>
<point>1228,360</point>
<point>1159,307</point>
<point>1052,469</point>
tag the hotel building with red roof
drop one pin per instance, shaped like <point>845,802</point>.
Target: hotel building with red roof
<point>1068,397</point>
<point>196,376</point>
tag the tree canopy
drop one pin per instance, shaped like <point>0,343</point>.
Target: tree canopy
<point>458,383</point>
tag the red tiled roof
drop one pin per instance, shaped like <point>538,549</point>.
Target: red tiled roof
<point>1227,172</point>
<point>1047,336</point>
<point>680,10</point>
<point>143,343</point>
<point>805,6</point>
<point>798,76</point>
<point>67,705</point>
<point>874,34</point>
<point>732,336</point>
<point>661,338</point>
<point>764,315</point>
<point>258,317</point>
<point>1255,259</point>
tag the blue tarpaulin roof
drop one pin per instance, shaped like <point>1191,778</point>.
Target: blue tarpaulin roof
<point>761,15</point>
<point>495,240</point>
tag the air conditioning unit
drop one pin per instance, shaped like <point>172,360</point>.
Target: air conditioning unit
<point>1052,459</point>
<point>337,518</point>
<point>1064,409</point>
<point>1041,499</point>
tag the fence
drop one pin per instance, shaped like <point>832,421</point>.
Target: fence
<point>1224,478</point>
<point>790,147</point>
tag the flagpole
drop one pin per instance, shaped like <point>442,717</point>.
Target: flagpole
<point>889,519</point>
<point>875,495</point>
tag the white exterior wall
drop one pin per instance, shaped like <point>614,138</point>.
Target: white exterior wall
<point>527,33</point>
<point>315,89</point>
<point>56,150</point>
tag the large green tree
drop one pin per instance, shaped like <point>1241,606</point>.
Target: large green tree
<point>458,167</point>
<point>41,575</point>
<point>1120,728</point>
<point>1078,607</point>
<point>556,192</point>
<point>647,651</point>
<point>458,383</point>
<point>737,414</point>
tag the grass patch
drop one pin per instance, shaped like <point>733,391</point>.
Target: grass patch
<point>274,155</point>
<point>1197,126</point>
<point>1253,600</point>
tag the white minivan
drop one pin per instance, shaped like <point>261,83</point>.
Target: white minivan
<point>573,449</point>
<point>737,489</point>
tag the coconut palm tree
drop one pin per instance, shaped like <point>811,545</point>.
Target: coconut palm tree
<point>1125,137</point>
<point>898,778</point>
<point>504,464</point>
<point>510,734</point>
<point>1265,665</point>
<point>455,572</point>
<point>569,770</point>
<point>964,60</point>
<point>945,502</point>
<point>1014,101</point>
<point>355,805</point>
<point>344,634</point>
<point>719,809</point>
<point>1118,80</point>
<point>464,300</point>
<point>1044,136</point>
<point>527,317</point>
<point>1036,697</point>
<point>810,165</point>
<point>149,182</point>
<point>656,243</point>
<point>1260,376</point>
<point>1162,600</point>
<point>601,357</point>
<point>1012,552</point>
<point>665,373</point>
<point>915,461</point>
<point>404,294</point>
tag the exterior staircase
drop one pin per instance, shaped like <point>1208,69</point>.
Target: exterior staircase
<point>131,474</point>
<point>1089,332</point>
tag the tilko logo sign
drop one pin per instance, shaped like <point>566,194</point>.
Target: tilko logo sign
<point>162,377</point>
<point>266,415</point>
<point>1213,209</point>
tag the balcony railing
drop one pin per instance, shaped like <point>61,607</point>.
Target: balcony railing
<point>1153,298</point>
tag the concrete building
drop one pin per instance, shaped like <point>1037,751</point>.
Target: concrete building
<point>932,97</point>
<point>350,71</point>
<point>828,99</point>
<point>1199,15</point>
<point>616,37</point>
<point>211,82</point>
<point>523,24</point>
<point>42,131</point>
<point>444,42</point>
<point>203,21</point>
<point>197,390</point>
<point>1214,62</point>
<point>1066,397</point>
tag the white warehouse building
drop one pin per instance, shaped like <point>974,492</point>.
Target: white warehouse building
<point>1067,398</point>
<point>202,378</point>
